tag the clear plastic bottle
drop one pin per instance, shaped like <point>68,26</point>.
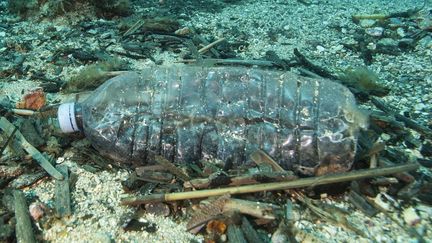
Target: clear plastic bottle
<point>188,113</point>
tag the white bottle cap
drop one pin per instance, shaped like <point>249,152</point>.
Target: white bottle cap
<point>66,118</point>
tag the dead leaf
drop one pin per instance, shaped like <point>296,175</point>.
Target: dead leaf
<point>33,100</point>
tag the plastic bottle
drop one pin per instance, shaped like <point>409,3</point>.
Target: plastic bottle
<point>188,113</point>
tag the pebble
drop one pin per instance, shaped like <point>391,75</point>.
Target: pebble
<point>376,31</point>
<point>388,42</point>
<point>401,32</point>
<point>320,48</point>
<point>367,23</point>
<point>425,42</point>
<point>420,107</point>
<point>411,217</point>
<point>2,34</point>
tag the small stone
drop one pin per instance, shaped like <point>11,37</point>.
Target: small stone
<point>183,31</point>
<point>320,48</point>
<point>385,137</point>
<point>425,42</point>
<point>371,46</point>
<point>401,32</point>
<point>367,23</point>
<point>387,42</point>
<point>419,106</point>
<point>93,31</point>
<point>411,217</point>
<point>338,48</point>
<point>2,34</point>
<point>158,209</point>
<point>376,31</point>
<point>106,35</point>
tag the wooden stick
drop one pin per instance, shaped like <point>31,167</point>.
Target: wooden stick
<point>171,168</point>
<point>23,112</point>
<point>8,128</point>
<point>306,182</point>
<point>62,194</point>
<point>260,157</point>
<point>207,47</point>
<point>407,121</point>
<point>256,209</point>
<point>402,176</point>
<point>23,227</point>
<point>134,28</point>
<point>203,183</point>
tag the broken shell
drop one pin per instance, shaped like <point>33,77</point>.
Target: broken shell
<point>37,210</point>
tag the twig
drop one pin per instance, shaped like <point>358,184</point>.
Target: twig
<point>213,51</point>
<point>407,121</point>
<point>134,28</point>
<point>260,157</point>
<point>331,213</point>
<point>23,227</point>
<point>404,14</point>
<point>402,176</point>
<point>259,177</point>
<point>306,182</point>
<point>207,47</point>
<point>312,67</point>
<point>8,127</point>
<point>256,209</point>
<point>23,112</point>
<point>172,168</point>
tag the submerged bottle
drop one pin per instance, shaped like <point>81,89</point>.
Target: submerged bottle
<point>188,113</point>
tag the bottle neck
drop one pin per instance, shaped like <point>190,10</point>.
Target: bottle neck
<point>78,116</point>
<point>70,117</point>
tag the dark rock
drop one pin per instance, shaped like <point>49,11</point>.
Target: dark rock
<point>135,225</point>
<point>426,149</point>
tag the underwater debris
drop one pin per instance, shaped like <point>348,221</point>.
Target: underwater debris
<point>365,80</point>
<point>9,128</point>
<point>94,75</point>
<point>52,8</point>
<point>335,123</point>
<point>23,228</point>
<point>32,100</point>
<point>300,183</point>
<point>22,7</point>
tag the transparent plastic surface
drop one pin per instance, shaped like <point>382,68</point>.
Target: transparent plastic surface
<point>188,113</point>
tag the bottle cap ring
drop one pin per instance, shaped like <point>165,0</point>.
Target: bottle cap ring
<point>66,118</point>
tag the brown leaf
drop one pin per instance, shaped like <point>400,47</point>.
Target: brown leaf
<point>217,227</point>
<point>33,100</point>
